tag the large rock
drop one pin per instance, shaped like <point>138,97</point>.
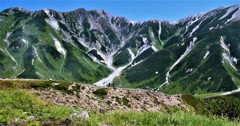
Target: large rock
<point>102,110</point>
<point>31,118</point>
<point>83,115</point>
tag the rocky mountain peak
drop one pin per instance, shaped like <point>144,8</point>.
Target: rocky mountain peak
<point>98,48</point>
<point>15,9</point>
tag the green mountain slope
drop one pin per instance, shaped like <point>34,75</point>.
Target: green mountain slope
<point>197,54</point>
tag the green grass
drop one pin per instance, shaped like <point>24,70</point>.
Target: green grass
<point>101,92</point>
<point>18,104</point>
<point>221,106</point>
<point>40,85</point>
<point>180,118</point>
<point>208,95</point>
<point>126,102</point>
<point>194,102</point>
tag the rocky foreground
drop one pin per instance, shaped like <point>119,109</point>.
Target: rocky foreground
<point>107,98</point>
<point>41,101</point>
<point>49,103</point>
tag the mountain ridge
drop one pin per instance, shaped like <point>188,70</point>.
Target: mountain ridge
<point>102,45</point>
<point>101,10</point>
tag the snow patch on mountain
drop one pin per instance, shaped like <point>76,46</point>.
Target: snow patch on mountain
<point>206,55</point>
<point>154,48</point>
<point>153,44</point>
<point>228,60</point>
<point>12,58</point>
<point>94,59</point>
<point>136,63</point>
<point>51,20</point>
<point>66,36</point>
<point>107,58</point>
<point>117,71</point>
<point>6,38</point>
<point>92,24</point>
<point>159,31</point>
<point>58,46</point>
<point>32,61</point>
<point>15,68</point>
<point>81,40</point>
<point>39,74</point>
<point>61,50</point>
<point>7,41</point>
<point>231,92</point>
<point>109,61</point>
<point>195,29</point>
<point>36,54</point>
<point>145,40</point>
<point>131,54</point>
<point>211,28</point>
<point>192,19</point>
<point>235,16</point>
<point>189,70</point>
<point>53,23</point>
<point>187,51</point>
<point>235,60</point>
<point>226,55</point>
<point>142,49</point>
<point>24,41</point>
<point>224,46</point>
<point>227,13</point>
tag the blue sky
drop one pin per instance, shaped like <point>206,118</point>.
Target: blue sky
<point>136,10</point>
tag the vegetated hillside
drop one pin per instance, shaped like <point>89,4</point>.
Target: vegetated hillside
<point>236,95</point>
<point>198,61</point>
<point>221,106</point>
<point>41,102</point>
<point>197,54</point>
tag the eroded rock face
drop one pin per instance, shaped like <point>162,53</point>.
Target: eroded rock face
<point>115,99</point>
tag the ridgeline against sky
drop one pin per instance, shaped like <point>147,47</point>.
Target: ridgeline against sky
<point>136,10</point>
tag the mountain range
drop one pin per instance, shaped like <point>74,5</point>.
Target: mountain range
<point>196,54</point>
